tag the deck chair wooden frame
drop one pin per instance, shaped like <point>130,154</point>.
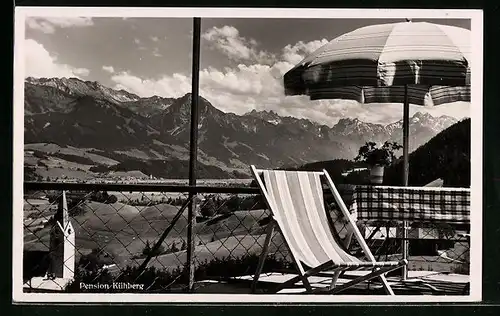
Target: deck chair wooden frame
<point>333,258</point>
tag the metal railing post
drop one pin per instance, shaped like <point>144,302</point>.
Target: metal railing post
<point>193,150</point>
<point>406,172</point>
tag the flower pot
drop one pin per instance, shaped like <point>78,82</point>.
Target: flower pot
<point>377,174</point>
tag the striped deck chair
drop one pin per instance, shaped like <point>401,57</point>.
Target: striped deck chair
<point>295,199</point>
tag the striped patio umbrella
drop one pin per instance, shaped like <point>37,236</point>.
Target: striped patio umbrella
<point>409,62</point>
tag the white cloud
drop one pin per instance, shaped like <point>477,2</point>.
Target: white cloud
<point>81,71</point>
<point>156,52</point>
<point>109,69</point>
<point>257,83</point>
<point>294,54</point>
<point>40,63</point>
<point>155,38</point>
<point>243,80</point>
<point>227,40</point>
<point>49,24</point>
<point>40,25</point>
<point>172,86</point>
<point>139,43</point>
<point>244,88</point>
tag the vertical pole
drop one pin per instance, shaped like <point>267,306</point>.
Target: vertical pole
<point>406,169</point>
<point>406,134</point>
<point>193,148</point>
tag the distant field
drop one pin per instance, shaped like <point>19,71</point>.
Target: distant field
<point>234,246</point>
<point>74,163</point>
<point>127,174</point>
<point>65,163</point>
<point>83,152</point>
<point>135,153</point>
<point>61,173</point>
<point>37,208</point>
<point>122,230</point>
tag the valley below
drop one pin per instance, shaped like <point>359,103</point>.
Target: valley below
<point>78,130</point>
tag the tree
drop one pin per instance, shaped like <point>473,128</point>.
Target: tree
<point>94,260</point>
<point>75,208</point>
<point>174,248</point>
<point>179,201</point>
<point>234,203</point>
<point>208,208</point>
<point>373,155</point>
<point>147,249</point>
<point>112,199</point>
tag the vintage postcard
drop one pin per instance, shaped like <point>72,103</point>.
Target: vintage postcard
<point>247,156</point>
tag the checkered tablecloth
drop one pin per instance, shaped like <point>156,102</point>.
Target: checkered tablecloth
<point>382,203</point>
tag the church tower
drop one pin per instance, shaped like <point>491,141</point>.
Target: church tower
<point>62,243</point>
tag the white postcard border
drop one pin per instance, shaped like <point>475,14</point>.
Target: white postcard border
<point>21,13</point>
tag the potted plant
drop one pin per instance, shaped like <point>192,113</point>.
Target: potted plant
<point>378,158</point>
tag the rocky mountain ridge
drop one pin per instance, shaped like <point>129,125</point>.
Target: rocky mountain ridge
<point>85,114</point>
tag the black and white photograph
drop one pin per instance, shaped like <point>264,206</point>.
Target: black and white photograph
<point>247,155</point>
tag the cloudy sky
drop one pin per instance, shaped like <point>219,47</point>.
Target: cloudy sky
<point>242,60</point>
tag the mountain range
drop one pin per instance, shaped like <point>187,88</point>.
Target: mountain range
<point>151,135</point>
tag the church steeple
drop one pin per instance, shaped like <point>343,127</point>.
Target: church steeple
<point>62,243</point>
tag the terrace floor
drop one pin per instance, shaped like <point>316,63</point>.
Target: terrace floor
<point>417,283</point>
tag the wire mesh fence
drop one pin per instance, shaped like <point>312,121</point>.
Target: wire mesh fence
<point>112,238</point>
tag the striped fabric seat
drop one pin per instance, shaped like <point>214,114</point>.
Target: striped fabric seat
<point>299,209</point>
<point>296,201</point>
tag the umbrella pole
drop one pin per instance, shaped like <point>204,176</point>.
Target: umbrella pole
<point>406,169</point>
